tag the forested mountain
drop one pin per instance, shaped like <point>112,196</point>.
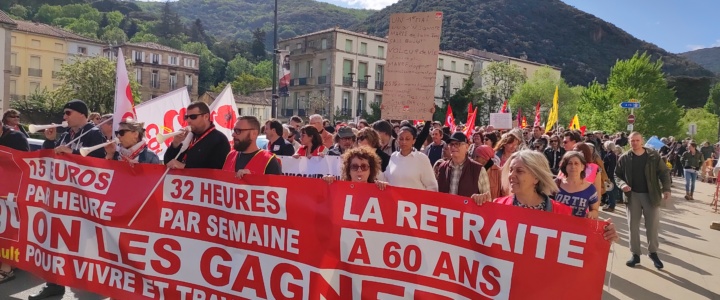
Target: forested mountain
<point>709,58</point>
<point>546,31</point>
<point>235,19</point>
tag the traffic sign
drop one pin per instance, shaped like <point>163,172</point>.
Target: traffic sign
<point>630,127</point>
<point>631,119</point>
<point>630,104</point>
<point>692,129</point>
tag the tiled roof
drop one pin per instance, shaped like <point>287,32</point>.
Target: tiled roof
<point>242,99</point>
<point>4,18</point>
<point>45,29</point>
<point>154,46</point>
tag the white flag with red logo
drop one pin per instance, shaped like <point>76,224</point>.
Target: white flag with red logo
<point>163,115</point>
<point>224,112</point>
<point>124,104</point>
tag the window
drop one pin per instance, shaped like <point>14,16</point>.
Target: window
<point>139,56</point>
<point>308,68</point>
<point>82,50</point>
<point>138,75</point>
<point>173,81</point>
<point>13,87</point>
<point>34,87</point>
<point>188,80</point>
<point>380,73</point>
<point>35,43</point>
<point>156,58</point>
<point>13,59</point>
<point>323,67</point>
<point>173,60</point>
<point>57,67</point>
<point>59,47</point>
<point>347,67</point>
<point>189,62</point>
<point>295,71</point>
<point>378,98</point>
<point>363,48</point>
<point>452,65</point>
<point>381,52</point>
<point>360,103</point>
<point>441,64</point>
<point>467,68</point>
<point>346,103</point>
<point>34,69</point>
<point>298,46</point>
<point>155,79</point>
<point>323,44</point>
<point>348,45</point>
<point>287,48</point>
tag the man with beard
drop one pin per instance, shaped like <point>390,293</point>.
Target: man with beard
<point>246,157</point>
<point>207,148</point>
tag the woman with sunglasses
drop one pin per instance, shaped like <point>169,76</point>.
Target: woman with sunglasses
<point>94,118</point>
<point>360,164</point>
<point>133,148</point>
<point>11,119</point>
<point>311,143</point>
<point>574,190</point>
<point>554,153</point>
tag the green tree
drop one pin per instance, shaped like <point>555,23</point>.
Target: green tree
<point>597,109</point>
<point>246,83</point>
<point>19,12</point>
<point>48,13</point>
<point>86,28</point>
<point>713,102</point>
<point>640,78</point>
<point>84,11</point>
<point>40,107</point>
<point>541,88</point>
<point>237,66</point>
<point>706,125</point>
<point>263,69</point>
<point>144,37</point>
<point>459,103</point>
<point>114,18</point>
<point>93,81</point>
<point>258,45</point>
<point>114,35</point>
<point>373,114</point>
<point>499,81</point>
<point>211,66</point>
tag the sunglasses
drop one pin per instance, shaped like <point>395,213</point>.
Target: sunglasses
<point>361,138</point>
<point>363,167</point>
<point>68,112</point>
<point>238,131</point>
<point>193,116</point>
<point>121,132</point>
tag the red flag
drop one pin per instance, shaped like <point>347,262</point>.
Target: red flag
<point>504,107</point>
<point>418,122</point>
<point>469,114</point>
<point>582,130</point>
<point>450,119</point>
<point>537,115</point>
<point>470,125</point>
<point>519,117</point>
<point>524,122</point>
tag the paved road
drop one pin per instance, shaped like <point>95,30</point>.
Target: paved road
<point>688,247</point>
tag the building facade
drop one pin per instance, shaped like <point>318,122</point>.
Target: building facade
<point>160,69</point>
<point>337,72</point>
<point>38,52</point>
<point>482,59</point>
<point>251,105</point>
<point>6,26</point>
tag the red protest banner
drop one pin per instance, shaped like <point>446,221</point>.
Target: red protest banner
<point>202,234</point>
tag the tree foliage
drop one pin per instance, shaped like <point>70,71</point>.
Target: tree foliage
<point>40,107</point>
<point>541,88</point>
<point>246,83</point>
<point>93,81</point>
<point>459,101</point>
<point>499,81</point>
<point>707,125</point>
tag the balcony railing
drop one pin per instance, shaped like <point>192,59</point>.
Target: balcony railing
<point>345,112</point>
<point>360,112</point>
<point>55,74</point>
<point>302,112</point>
<point>302,81</point>
<point>322,80</point>
<point>288,112</point>
<point>34,72</point>
<point>15,70</point>
<point>379,85</point>
<point>347,81</point>
<point>362,84</point>
<point>292,82</point>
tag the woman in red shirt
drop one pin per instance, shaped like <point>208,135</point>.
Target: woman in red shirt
<point>311,143</point>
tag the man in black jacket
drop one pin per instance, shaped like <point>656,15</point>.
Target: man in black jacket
<point>80,134</point>
<point>276,143</point>
<point>13,139</point>
<point>75,113</point>
<point>208,146</point>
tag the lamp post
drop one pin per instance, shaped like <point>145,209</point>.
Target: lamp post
<point>273,110</point>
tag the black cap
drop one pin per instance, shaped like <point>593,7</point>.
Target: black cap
<point>458,137</point>
<point>78,106</point>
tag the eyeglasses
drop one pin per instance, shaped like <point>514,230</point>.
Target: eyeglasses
<point>363,167</point>
<point>121,132</point>
<point>455,145</point>
<point>361,138</point>
<point>68,112</point>
<point>193,116</point>
<point>238,131</point>
<point>14,117</point>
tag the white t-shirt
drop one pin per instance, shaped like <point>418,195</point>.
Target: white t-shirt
<point>412,171</point>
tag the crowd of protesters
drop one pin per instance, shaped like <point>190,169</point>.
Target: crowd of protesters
<point>560,171</point>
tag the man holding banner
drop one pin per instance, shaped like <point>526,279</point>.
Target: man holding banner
<point>80,134</point>
<point>246,157</point>
<point>208,147</point>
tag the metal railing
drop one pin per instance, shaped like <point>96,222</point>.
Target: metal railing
<point>347,81</point>
<point>15,70</point>
<point>379,85</point>
<point>302,81</point>
<point>363,84</point>
<point>322,80</point>
<point>35,72</point>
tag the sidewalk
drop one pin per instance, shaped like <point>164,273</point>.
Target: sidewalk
<point>689,249</point>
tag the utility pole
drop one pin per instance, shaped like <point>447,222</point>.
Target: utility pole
<point>273,111</point>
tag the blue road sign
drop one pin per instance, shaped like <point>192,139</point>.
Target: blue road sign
<point>630,104</point>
